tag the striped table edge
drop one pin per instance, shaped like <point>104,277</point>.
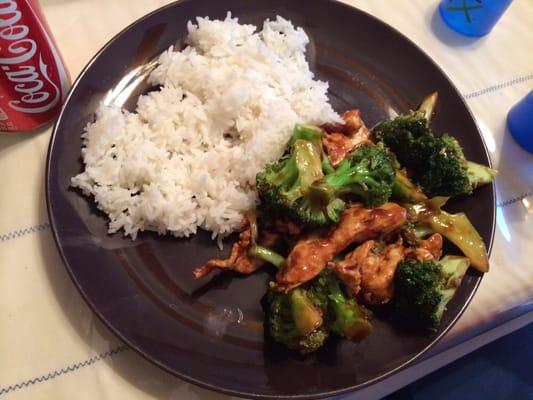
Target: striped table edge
<point>63,371</point>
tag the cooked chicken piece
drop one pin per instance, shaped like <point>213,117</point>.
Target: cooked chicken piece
<point>339,140</point>
<point>427,250</point>
<point>352,123</point>
<point>358,224</point>
<point>333,127</point>
<point>305,261</point>
<point>377,274</point>
<point>369,271</point>
<point>348,270</point>
<point>355,127</point>
<point>310,256</point>
<point>238,261</point>
<point>336,145</point>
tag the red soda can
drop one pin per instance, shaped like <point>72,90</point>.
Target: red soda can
<point>33,79</point>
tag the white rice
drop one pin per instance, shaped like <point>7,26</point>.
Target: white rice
<point>188,156</point>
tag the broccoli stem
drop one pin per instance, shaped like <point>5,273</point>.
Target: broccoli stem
<point>428,105</point>
<point>405,190</point>
<point>453,269</point>
<point>309,133</point>
<point>307,317</point>
<point>308,165</point>
<point>458,229</point>
<point>478,174</point>
<point>335,291</point>
<point>334,210</point>
<point>422,232</point>
<point>267,255</point>
<point>349,321</point>
<point>327,168</point>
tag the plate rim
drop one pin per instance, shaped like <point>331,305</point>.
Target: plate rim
<point>202,383</point>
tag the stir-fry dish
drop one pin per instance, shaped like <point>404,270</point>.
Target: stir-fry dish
<point>352,219</point>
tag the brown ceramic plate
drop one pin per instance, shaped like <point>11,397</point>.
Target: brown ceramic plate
<point>211,333</point>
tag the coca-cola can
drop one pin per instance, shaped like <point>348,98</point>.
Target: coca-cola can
<point>33,79</point>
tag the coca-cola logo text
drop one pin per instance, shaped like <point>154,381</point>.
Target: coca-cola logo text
<point>19,56</point>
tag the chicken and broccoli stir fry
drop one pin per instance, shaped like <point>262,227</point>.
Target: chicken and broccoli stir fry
<point>351,218</point>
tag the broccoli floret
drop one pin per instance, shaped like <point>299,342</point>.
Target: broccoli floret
<point>445,173</point>
<point>303,317</point>
<point>295,320</point>
<point>346,317</point>
<point>318,208</point>
<point>366,174</point>
<point>408,136</point>
<point>296,185</point>
<point>437,164</point>
<point>285,186</point>
<point>423,288</point>
<point>285,181</point>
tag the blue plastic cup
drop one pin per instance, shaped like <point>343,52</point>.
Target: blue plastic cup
<point>520,122</point>
<point>472,17</point>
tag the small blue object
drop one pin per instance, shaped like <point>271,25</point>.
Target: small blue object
<point>520,122</point>
<point>472,17</point>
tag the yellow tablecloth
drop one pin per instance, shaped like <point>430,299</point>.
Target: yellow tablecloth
<point>53,347</point>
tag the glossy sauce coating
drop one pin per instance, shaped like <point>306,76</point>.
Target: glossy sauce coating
<point>310,256</point>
